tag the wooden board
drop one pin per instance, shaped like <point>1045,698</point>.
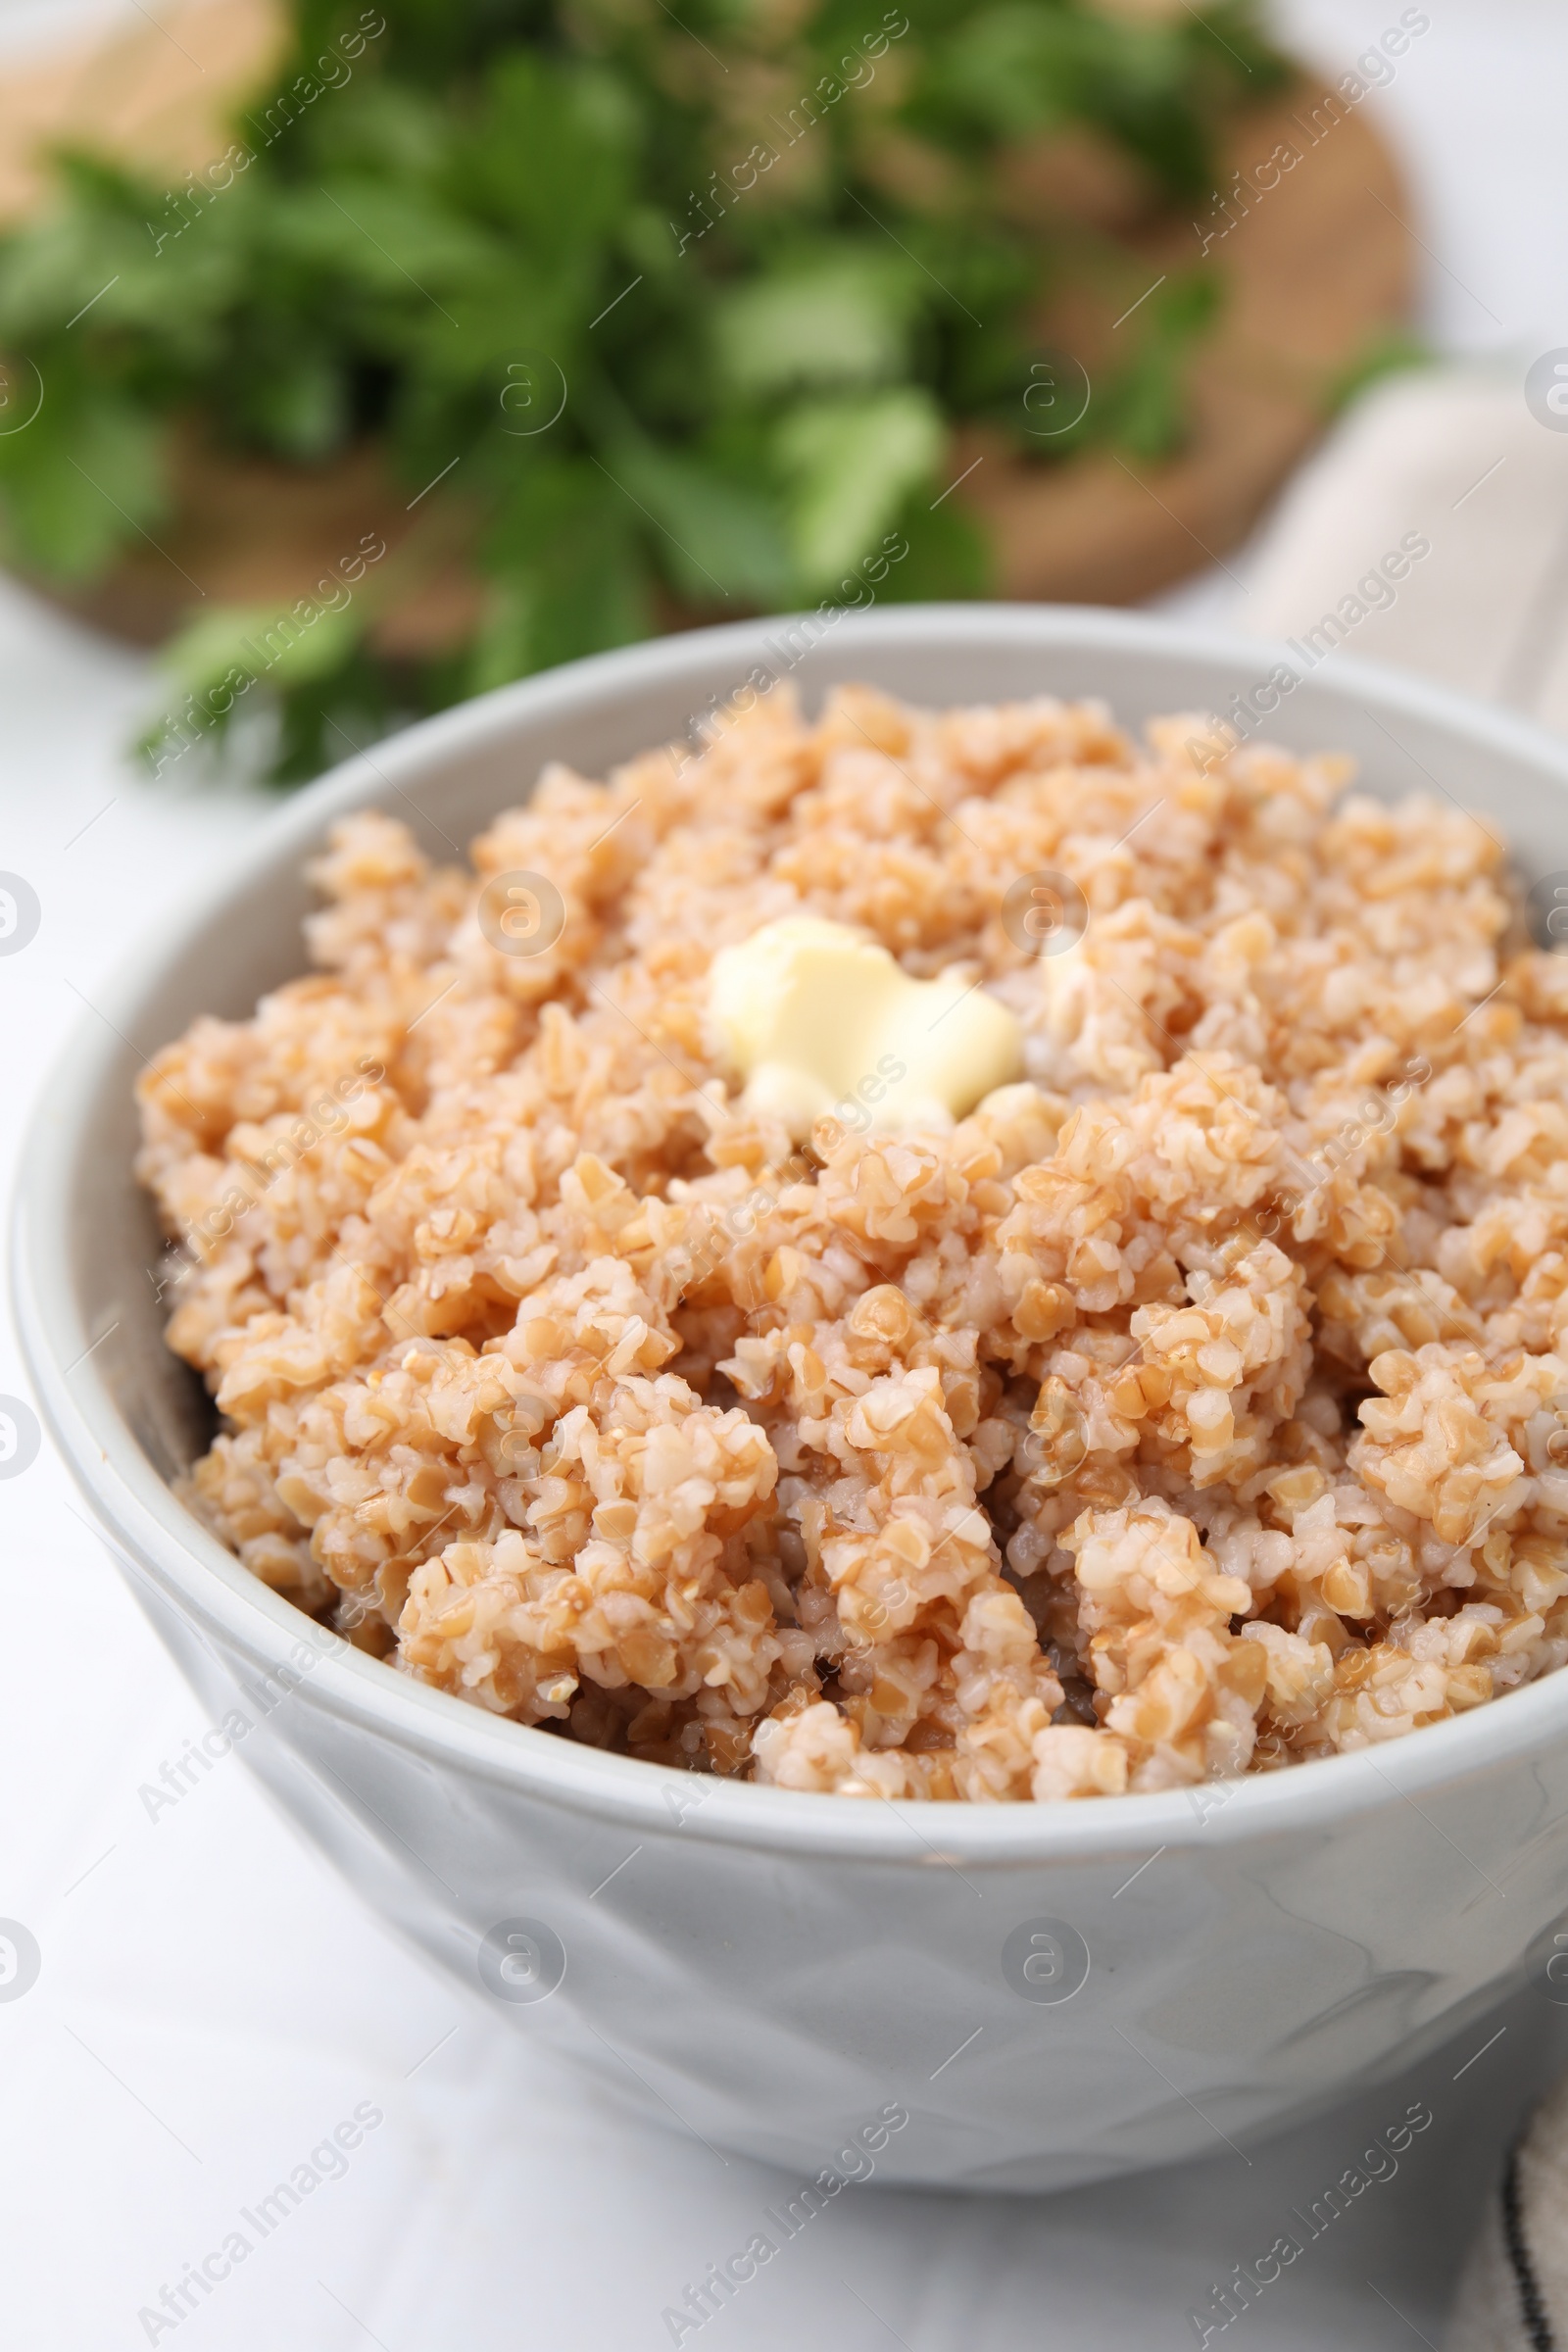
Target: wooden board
<point>155,95</point>
<point>1314,271</point>
<point>1315,266</point>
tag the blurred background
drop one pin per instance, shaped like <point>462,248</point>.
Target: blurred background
<point>354,360</point>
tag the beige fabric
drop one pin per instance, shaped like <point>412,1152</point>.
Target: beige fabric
<point>1490,2313</point>
<point>1454,456</point>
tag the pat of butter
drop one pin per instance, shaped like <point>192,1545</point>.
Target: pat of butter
<point>821,1022</point>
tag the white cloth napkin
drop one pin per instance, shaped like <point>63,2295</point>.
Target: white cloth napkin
<point>1430,531</point>
<point>1514,2294</point>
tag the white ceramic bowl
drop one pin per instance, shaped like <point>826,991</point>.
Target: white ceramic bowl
<point>769,1970</point>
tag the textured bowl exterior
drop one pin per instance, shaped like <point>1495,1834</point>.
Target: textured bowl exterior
<point>1049,1995</point>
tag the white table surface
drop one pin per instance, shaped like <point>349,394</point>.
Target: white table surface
<point>212,2000</point>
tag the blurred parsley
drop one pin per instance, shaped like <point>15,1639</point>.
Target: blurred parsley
<point>756,243</point>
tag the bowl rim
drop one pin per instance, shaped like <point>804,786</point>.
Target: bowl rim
<point>162,1546</point>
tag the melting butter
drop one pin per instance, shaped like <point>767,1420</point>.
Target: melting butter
<point>820,1021</point>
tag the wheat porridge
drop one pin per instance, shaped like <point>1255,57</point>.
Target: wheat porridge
<point>1187,1404</point>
